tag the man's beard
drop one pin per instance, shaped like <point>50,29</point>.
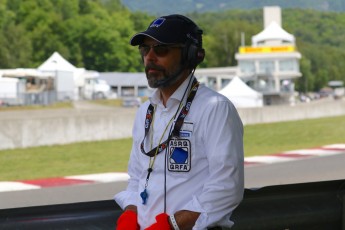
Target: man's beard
<point>162,78</point>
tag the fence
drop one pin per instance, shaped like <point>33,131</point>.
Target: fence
<point>36,98</point>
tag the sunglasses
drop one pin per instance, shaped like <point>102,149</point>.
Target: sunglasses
<point>160,50</point>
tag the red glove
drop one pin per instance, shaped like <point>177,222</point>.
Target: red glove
<point>128,221</point>
<point>162,223</point>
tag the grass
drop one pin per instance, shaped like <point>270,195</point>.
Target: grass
<point>276,137</point>
<point>113,102</point>
<point>57,105</point>
<point>113,155</point>
<point>108,102</point>
<point>64,160</point>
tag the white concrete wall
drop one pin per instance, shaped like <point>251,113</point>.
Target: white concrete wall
<point>315,109</point>
<point>50,127</point>
<point>36,128</point>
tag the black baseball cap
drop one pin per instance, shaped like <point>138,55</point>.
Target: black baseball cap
<point>170,29</point>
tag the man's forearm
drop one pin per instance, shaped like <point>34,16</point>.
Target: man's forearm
<point>132,208</point>
<point>185,219</point>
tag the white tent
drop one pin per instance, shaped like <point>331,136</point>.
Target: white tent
<point>241,95</point>
<point>57,62</point>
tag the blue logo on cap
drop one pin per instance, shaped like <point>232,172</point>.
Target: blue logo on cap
<point>158,22</point>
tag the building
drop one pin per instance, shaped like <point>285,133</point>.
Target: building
<point>127,84</point>
<point>271,64</point>
<point>135,84</point>
<point>216,78</point>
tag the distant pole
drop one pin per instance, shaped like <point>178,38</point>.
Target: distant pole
<point>56,81</point>
<point>243,41</point>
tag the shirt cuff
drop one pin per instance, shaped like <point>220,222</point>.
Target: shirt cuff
<point>125,198</point>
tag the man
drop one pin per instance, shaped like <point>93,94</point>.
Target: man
<point>186,163</point>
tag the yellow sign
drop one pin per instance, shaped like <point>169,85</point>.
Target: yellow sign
<point>266,49</point>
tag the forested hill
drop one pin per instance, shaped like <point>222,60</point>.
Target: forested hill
<point>160,7</point>
<point>95,34</point>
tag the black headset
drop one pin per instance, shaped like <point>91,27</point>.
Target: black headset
<point>193,53</point>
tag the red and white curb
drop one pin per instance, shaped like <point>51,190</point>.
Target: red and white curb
<point>326,150</point>
<point>7,186</point>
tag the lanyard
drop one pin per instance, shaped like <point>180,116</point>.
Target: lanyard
<point>178,124</point>
<point>175,133</point>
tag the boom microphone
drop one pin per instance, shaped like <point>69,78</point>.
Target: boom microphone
<point>162,83</point>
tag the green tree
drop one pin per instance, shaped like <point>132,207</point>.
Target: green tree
<point>15,48</point>
<point>306,82</point>
<point>15,45</point>
<point>95,34</point>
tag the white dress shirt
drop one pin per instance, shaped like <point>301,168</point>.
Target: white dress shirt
<point>204,168</point>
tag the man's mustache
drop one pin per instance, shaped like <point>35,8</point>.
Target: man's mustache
<point>153,66</point>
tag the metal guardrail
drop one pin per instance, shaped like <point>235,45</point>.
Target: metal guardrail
<point>100,215</point>
<point>309,206</point>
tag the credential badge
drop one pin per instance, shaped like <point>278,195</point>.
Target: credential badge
<point>179,159</point>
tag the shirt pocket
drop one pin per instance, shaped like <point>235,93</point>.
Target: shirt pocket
<point>187,129</point>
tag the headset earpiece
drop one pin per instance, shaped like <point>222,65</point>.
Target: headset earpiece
<point>193,53</point>
<point>200,55</point>
<point>194,56</point>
